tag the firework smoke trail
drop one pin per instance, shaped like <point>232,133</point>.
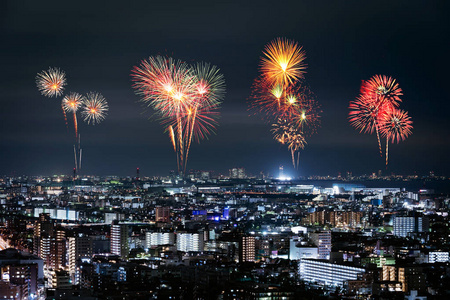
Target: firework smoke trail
<point>378,137</point>
<point>387,151</point>
<point>172,138</point>
<point>79,150</point>
<point>75,156</point>
<point>65,116</point>
<point>180,141</point>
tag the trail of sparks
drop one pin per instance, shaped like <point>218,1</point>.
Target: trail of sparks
<point>184,97</point>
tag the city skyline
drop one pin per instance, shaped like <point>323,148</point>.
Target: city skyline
<point>97,49</point>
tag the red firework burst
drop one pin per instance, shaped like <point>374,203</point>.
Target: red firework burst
<point>383,89</point>
<point>396,125</point>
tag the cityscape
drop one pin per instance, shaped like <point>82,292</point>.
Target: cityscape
<point>223,237</point>
<point>224,150</point>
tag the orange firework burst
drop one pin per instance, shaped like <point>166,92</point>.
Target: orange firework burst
<point>51,82</point>
<point>186,99</point>
<point>283,62</point>
<point>72,102</point>
<point>94,109</point>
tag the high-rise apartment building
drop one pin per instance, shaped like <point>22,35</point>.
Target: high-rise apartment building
<point>119,239</point>
<point>79,246</point>
<point>247,249</point>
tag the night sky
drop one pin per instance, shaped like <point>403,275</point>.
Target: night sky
<point>97,43</point>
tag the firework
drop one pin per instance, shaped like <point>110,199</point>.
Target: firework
<point>94,108</point>
<point>287,132</point>
<point>375,111</point>
<point>305,111</point>
<point>384,89</point>
<point>283,98</point>
<point>51,82</point>
<point>165,84</point>
<point>185,98</point>
<point>396,125</point>
<point>283,62</point>
<point>266,99</point>
<point>72,102</point>
<point>281,130</point>
<point>364,114</point>
<point>209,86</point>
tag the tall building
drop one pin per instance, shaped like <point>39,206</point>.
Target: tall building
<point>119,239</point>
<point>247,249</point>
<point>79,246</point>
<point>323,241</point>
<point>404,225</point>
<point>162,214</point>
<point>52,249</point>
<point>190,241</point>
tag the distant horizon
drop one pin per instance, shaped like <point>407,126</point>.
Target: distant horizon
<point>266,174</point>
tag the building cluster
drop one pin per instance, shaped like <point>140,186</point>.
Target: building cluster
<point>219,238</point>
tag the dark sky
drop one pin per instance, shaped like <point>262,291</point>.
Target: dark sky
<point>98,42</point>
